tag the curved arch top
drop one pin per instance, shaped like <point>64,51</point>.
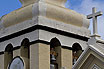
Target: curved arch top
<point>9,48</point>
<point>76,46</point>
<point>54,42</point>
<point>25,42</point>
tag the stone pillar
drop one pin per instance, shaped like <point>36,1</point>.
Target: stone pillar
<point>66,58</point>
<point>16,53</point>
<point>1,61</point>
<point>39,56</point>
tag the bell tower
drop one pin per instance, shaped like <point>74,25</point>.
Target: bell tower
<point>42,34</point>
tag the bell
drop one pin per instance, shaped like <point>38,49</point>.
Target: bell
<point>52,66</point>
<point>74,60</point>
<point>53,58</point>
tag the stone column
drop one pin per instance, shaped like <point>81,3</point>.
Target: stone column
<point>39,56</point>
<point>1,61</point>
<point>66,58</point>
<point>16,53</point>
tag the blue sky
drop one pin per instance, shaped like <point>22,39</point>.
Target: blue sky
<point>85,7</point>
<point>6,6</point>
<point>81,6</point>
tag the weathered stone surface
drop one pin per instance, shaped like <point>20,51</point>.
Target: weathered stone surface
<point>94,54</point>
<point>16,53</point>
<point>66,58</point>
<point>32,36</point>
<point>54,2</point>
<point>47,10</point>
<point>2,61</point>
<point>44,14</point>
<point>40,56</point>
<point>39,21</point>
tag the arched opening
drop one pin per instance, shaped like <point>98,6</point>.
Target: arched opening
<point>25,42</point>
<point>25,51</point>
<point>77,51</point>
<point>8,55</point>
<point>55,54</point>
<point>54,42</point>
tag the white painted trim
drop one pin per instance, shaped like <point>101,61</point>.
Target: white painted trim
<point>80,58</point>
<point>89,47</point>
<point>97,50</point>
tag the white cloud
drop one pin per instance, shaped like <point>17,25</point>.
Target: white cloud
<point>86,8</point>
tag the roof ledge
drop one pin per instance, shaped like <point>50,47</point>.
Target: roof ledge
<point>55,2</point>
<point>47,10</point>
<point>95,39</point>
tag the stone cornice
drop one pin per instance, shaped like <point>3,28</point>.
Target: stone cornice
<point>44,14</point>
<point>50,11</point>
<point>54,2</point>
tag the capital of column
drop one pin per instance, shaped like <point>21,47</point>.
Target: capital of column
<point>55,2</point>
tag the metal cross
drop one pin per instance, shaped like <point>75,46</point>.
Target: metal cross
<point>94,16</point>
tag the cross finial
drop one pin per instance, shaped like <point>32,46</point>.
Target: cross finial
<point>94,16</point>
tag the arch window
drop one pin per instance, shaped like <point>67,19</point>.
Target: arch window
<point>77,51</point>
<point>25,54</point>
<point>55,53</point>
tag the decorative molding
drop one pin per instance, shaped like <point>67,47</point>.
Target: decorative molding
<point>95,67</point>
<point>66,47</point>
<point>43,28</point>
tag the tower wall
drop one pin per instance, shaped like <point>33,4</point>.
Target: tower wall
<point>40,21</point>
<point>1,61</point>
<point>40,56</point>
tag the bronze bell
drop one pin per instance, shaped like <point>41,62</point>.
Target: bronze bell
<point>53,58</point>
